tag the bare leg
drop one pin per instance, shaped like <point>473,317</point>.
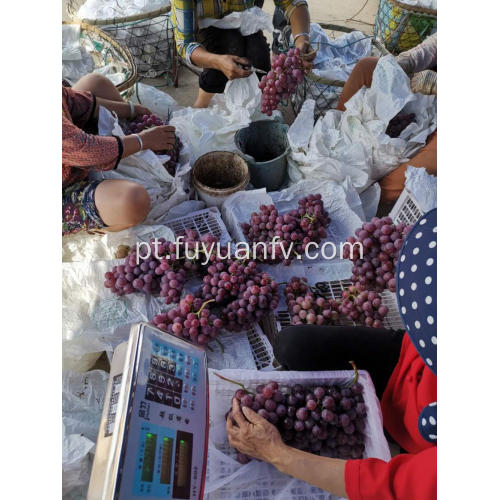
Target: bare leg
<point>100,86</point>
<point>121,203</point>
<point>203,99</point>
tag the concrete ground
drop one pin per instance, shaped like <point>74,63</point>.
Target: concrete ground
<point>357,14</point>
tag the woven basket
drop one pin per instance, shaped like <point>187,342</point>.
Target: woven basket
<point>148,35</point>
<point>401,27</point>
<point>105,51</point>
<point>323,90</point>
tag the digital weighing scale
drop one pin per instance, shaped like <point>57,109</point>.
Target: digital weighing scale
<point>153,437</point>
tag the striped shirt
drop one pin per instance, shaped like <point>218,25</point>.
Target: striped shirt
<point>186,14</point>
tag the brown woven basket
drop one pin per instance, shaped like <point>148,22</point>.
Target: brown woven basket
<point>115,52</point>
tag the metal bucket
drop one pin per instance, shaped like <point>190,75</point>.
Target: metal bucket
<point>264,145</point>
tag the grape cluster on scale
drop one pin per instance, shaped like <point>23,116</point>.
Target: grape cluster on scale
<point>322,419</point>
<point>294,229</point>
<point>281,82</point>
<point>144,122</point>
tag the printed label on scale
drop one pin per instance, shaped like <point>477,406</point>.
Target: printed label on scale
<point>113,402</point>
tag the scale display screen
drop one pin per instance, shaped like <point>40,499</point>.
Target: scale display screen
<point>164,447</point>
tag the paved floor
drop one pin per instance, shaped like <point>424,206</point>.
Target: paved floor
<point>358,14</point>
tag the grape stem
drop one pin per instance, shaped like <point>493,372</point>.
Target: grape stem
<point>203,306</point>
<point>356,373</point>
<point>234,382</point>
<point>221,345</point>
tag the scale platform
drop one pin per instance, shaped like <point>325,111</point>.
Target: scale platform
<point>153,437</point>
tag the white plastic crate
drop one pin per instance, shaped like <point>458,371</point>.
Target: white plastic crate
<point>226,479</point>
<point>273,323</point>
<point>204,221</point>
<point>406,209</point>
<point>262,350</point>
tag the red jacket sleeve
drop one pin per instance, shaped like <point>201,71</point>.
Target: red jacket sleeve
<point>405,477</point>
<point>87,151</point>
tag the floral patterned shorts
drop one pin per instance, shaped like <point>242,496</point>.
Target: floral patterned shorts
<point>79,212</point>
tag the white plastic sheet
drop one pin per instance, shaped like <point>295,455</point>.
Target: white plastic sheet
<point>147,169</point>
<point>426,4</point>
<point>160,103</point>
<point>237,352</point>
<point>423,187</point>
<point>90,247</point>
<point>336,58</point>
<point>107,9</point>
<point>76,61</point>
<point>227,479</point>
<point>213,128</point>
<point>94,320</point>
<point>82,402</point>
<point>248,21</point>
<point>354,143</point>
<point>344,220</point>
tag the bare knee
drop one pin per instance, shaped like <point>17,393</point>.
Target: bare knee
<point>134,204</point>
<point>92,82</point>
<point>99,85</point>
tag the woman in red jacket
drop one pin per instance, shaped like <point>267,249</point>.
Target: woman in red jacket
<point>403,368</point>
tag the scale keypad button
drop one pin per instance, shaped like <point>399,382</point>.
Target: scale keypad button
<point>150,393</point>
<point>159,395</point>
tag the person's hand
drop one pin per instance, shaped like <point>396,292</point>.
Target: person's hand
<point>158,138</point>
<point>424,82</point>
<point>307,54</point>
<point>253,435</point>
<point>140,110</point>
<point>233,66</point>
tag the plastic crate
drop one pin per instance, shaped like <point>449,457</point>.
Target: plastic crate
<point>226,479</point>
<point>273,323</point>
<point>206,221</point>
<point>406,209</point>
<point>262,350</point>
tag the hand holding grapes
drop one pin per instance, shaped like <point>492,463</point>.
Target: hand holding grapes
<point>307,54</point>
<point>233,66</point>
<point>254,435</point>
<point>140,110</point>
<point>157,138</point>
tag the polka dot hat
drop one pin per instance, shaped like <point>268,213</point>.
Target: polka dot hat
<point>416,294</point>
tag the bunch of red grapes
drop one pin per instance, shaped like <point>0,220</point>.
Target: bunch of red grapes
<point>281,81</point>
<point>234,293</point>
<point>244,294</point>
<point>399,123</point>
<point>325,420</point>
<point>306,308</point>
<point>381,241</point>
<point>192,319</point>
<point>363,307</point>
<point>295,229</point>
<point>163,272</point>
<point>143,122</point>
